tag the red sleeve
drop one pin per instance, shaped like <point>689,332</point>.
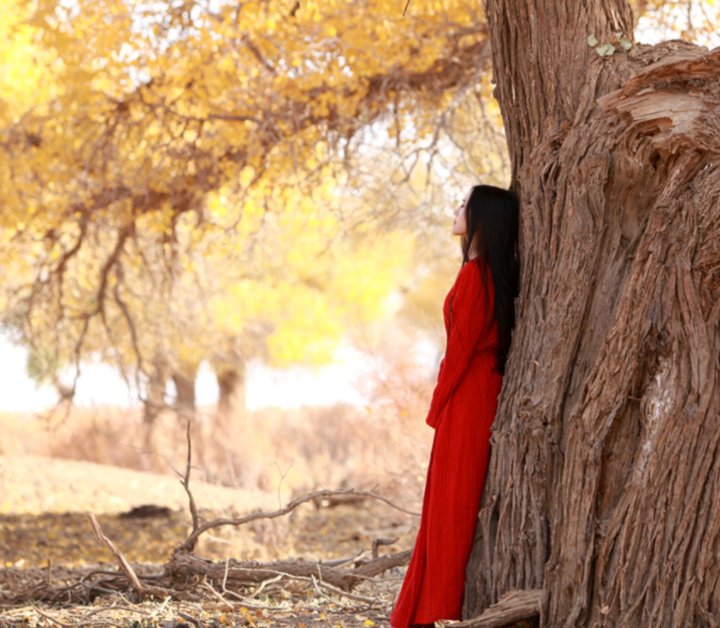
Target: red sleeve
<point>467,319</point>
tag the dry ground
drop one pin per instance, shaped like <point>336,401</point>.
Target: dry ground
<point>43,501</point>
<point>43,537</point>
<point>45,521</point>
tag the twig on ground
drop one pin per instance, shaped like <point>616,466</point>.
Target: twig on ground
<point>352,596</point>
<point>161,609</point>
<point>115,607</point>
<point>129,572</point>
<point>187,566</point>
<point>218,595</point>
<point>336,562</point>
<point>191,619</point>
<point>262,586</point>
<point>318,589</point>
<point>378,542</point>
<point>227,567</point>
<point>52,619</point>
<point>379,565</point>
<point>245,601</point>
<point>83,622</point>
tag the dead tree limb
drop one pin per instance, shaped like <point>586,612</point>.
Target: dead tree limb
<point>512,607</point>
<point>188,567</point>
<point>139,587</point>
<point>189,543</point>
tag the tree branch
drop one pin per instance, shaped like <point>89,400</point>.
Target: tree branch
<point>189,543</point>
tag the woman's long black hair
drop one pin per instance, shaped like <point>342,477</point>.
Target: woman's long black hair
<point>492,216</point>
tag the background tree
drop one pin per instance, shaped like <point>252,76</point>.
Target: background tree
<point>603,479</point>
<point>117,158</point>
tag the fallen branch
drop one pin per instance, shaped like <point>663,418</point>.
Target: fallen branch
<point>378,542</point>
<point>187,566</point>
<point>137,585</point>
<point>331,496</point>
<point>52,619</point>
<point>317,583</point>
<point>513,606</point>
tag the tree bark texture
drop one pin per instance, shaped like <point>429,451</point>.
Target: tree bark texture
<point>602,483</point>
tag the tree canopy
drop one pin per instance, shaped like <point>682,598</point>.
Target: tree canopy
<point>220,172</point>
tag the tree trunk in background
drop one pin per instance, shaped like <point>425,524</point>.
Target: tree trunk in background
<point>231,382</point>
<point>604,468</point>
<point>185,392</point>
<point>155,400</point>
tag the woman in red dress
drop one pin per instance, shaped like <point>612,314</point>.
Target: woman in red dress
<point>479,314</point>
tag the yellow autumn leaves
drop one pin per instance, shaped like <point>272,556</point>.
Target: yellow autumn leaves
<point>174,184</point>
<point>182,178</point>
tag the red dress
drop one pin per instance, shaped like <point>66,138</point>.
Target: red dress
<point>462,411</point>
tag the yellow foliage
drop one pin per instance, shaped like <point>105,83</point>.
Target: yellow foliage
<point>26,79</point>
<point>179,166</point>
<point>367,274</point>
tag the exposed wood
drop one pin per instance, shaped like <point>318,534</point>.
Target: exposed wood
<point>666,103</point>
<point>187,567</point>
<point>513,606</point>
<point>139,587</point>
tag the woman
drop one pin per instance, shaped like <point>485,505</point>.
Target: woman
<point>479,314</point>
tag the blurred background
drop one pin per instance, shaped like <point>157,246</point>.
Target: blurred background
<point>239,213</point>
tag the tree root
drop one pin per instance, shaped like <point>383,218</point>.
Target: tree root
<point>512,607</point>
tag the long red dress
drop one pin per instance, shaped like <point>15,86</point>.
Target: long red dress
<point>462,411</point>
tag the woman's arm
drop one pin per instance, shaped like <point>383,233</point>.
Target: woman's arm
<point>469,314</point>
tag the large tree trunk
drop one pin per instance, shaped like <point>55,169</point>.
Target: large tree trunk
<point>604,468</point>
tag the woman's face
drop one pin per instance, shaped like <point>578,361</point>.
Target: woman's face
<point>460,223</point>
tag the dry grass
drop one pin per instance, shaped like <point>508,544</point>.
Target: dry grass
<point>272,455</point>
<point>286,451</point>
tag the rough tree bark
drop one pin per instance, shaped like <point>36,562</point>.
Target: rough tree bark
<point>605,467</point>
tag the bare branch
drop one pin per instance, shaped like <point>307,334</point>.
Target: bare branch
<point>186,485</point>
<point>138,586</point>
<point>189,543</point>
